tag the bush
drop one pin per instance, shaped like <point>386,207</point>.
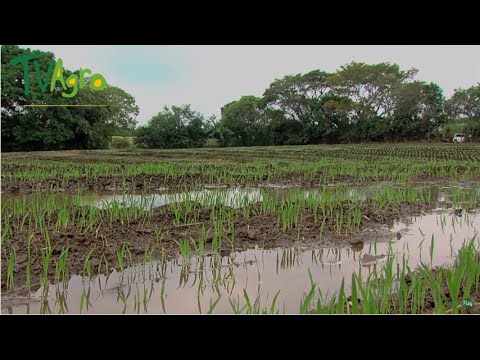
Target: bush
<point>211,143</point>
<point>121,142</point>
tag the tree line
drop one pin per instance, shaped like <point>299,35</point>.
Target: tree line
<point>359,102</point>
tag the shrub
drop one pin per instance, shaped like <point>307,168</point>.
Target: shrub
<point>121,142</point>
<point>211,143</point>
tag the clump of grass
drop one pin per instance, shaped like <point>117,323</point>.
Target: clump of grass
<point>202,241</point>
<point>184,246</point>
<point>87,269</point>
<point>213,305</point>
<point>255,307</point>
<point>121,256</point>
<point>29,261</point>
<point>61,268</point>
<point>10,269</point>
<point>46,256</point>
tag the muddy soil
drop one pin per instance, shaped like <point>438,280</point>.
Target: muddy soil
<point>105,240</point>
<point>160,182</point>
<point>102,183</point>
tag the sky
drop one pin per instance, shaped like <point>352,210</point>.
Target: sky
<point>210,76</point>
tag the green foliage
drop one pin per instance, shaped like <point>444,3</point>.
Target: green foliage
<point>175,127</point>
<point>121,142</point>
<point>55,128</point>
<point>464,108</point>
<point>418,112</point>
<point>211,143</point>
<point>243,123</point>
<point>285,131</point>
<point>359,102</point>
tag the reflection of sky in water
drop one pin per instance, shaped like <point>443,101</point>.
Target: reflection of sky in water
<point>233,197</point>
<point>256,271</point>
<point>237,196</point>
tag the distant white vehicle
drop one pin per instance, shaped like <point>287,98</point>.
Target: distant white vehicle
<point>458,138</point>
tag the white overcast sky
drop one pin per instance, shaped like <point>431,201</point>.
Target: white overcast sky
<point>208,77</point>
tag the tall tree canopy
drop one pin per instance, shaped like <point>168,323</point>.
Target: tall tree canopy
<point>464,107</point>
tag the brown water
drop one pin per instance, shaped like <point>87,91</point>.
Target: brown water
<point>191,286</point>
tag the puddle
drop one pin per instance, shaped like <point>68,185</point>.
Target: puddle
<point>236,197</point>
<point>232,197</point>
<point>182,286</point>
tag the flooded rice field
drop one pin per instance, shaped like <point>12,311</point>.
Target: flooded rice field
<point>235,269</point>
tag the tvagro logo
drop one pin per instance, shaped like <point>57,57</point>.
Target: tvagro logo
<point>55,73</point>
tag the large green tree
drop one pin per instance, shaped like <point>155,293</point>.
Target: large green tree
<point>294,94</point>
<point>370,89</point>
<point>175,127</point>
<point>49,128</point>
<point>243,123</point>
<point>418,111</point>
<point>308,99</point>
<point>464,107</point>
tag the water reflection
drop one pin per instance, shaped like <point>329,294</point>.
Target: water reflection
<point>445,196</point>
<point>239,196</point>
<point>194,285</point>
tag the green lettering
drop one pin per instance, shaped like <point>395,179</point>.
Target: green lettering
<point>58,76</point>
<point>72,82</point>
<point>98,82</point>
<point>43,85</point>
<point>24,59</point>
<point>82,80</point>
